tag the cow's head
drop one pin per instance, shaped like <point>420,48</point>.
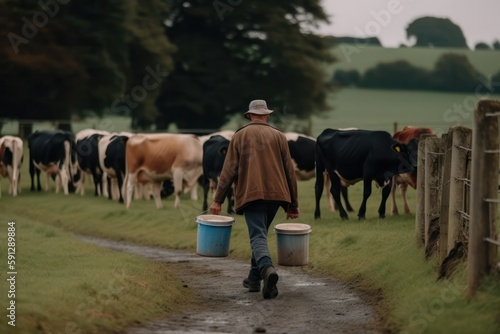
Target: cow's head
<point>408,157</point>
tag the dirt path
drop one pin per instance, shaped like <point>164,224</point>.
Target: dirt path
<point>305,304</point>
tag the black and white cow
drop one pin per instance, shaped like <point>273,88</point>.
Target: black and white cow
<point>302,150</point>
<point>87,150</point>
<point>355,155</point>
<point>214,154</point>
<point>11,159</point>
<point>53,152</point>
<point>112,162</point>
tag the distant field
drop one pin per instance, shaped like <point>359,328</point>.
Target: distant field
<point>374,109</point>
<point>361,58</point>
<point>370,109</point>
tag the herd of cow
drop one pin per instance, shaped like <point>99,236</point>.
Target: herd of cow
<point>126,166</point>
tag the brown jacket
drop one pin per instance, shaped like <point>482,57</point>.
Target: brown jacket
<point>258,162</point>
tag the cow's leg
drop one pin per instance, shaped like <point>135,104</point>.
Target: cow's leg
<point>385,194</point>
<point>105,185</point>
<point>177,180</point>
<point>367,191</point>
<point>64,180</point>
<point>32,174</point>
<point>335,190</point>
<point>394,206</point>
<point>206,188</point>
<point>156,194</point>
<point>404,188</point>
<point>119,178</point>
<point>131,181</point>
<point>80,188</point>
<point>331,205</point>
<point>346,199</point>
<point>39,185</point>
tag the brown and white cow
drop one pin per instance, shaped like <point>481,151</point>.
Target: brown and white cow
<point>11,159</point>
<point>404,136</point>
<point>154,158</point>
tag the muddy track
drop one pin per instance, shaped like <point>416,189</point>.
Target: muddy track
<point>305,304</point>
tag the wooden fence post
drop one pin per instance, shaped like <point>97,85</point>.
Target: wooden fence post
<point>445,199</point>
<point>421,190</point>
<point>434,155</point>
<point>484,188</point>
<point>462,138</point>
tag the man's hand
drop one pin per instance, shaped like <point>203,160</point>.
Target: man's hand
<point>215,208</point>
<point>292,212</point>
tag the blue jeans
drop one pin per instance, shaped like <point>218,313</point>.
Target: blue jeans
<point>259,216</point>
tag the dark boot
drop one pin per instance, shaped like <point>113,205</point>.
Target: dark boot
<point>270,279</point>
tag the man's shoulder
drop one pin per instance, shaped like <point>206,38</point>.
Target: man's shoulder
<point>254,126</point>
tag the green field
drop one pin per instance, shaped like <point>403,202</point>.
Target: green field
<point>362,58</point>
<point>370,109</point>
<point>378,258</point>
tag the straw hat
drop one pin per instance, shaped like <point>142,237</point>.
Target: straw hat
<point>258,107</point>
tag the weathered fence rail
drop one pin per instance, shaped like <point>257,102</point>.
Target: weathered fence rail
<point>456,214</point>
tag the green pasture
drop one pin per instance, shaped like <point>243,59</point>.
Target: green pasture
<point>379,258</point>
<point>369,109</point>
<point>361,58</point>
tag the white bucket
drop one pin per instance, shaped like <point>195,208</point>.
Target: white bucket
<point>292,244</point>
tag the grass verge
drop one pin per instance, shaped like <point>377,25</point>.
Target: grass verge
<point>64,285</point>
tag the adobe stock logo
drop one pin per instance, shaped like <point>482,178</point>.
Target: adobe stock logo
<point>39,19</point>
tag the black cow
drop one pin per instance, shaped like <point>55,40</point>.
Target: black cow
<point>112,160</point>
<point>88,160</point>
<point>355,155</point>
<point>302,151</point>
<point>214,154</point>
<point>54,153</point>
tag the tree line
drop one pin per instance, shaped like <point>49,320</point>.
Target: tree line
<point>193,63</point>
<point>452,73</point>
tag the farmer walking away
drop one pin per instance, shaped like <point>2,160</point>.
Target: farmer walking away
<point>258,162</point>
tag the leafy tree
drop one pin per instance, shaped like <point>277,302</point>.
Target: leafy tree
<point>396,75</point>
<point>454,72</point>
<point>234,51</point>
<point>496,45</point>
<point>438,32</point>
<point>482,46</point>
<point>61,59</point>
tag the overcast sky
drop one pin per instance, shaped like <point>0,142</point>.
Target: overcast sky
<point>388,19</point>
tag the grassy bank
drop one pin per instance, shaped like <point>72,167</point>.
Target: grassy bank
<point>377,257</point>
<point>64,285</point>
